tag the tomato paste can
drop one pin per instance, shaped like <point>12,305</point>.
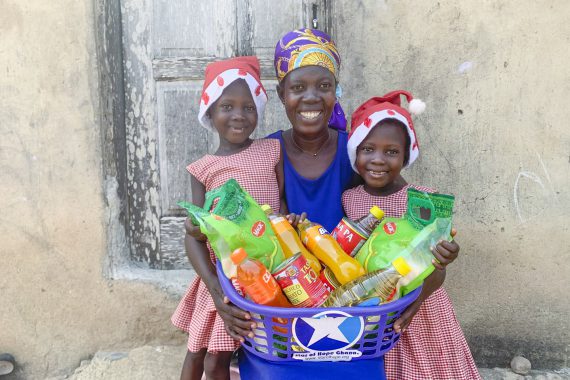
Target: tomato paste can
<point>349,237</point>
<point>300,283</point>
<point>328,278</point>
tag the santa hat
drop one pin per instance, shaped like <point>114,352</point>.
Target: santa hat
<point>221,74</point>
<point>376,109</point>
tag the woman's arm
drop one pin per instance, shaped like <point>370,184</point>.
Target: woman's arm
<point>236,321</point>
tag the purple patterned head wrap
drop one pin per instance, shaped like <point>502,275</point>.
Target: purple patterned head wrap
<point>310,47</point>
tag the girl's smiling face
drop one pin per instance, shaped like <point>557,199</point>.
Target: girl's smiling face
<point>381,156</point>
<point>309,96</point>
<point>234,114</point>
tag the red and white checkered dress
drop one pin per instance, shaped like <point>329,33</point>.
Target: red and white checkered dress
<point>254,169</point>
<point>433,346</point>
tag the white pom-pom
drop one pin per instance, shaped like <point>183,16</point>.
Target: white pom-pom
<point>416,107</point>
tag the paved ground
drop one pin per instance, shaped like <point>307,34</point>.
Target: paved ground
<point>163,363</point>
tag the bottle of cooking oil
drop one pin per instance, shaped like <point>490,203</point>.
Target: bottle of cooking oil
<point>380,284</point>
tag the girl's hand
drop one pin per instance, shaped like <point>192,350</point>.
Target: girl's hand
<point>295,219</point>
<point>194,231</point>
<point>237,322</point>
<point>403,322</point>
<point>445,252</point>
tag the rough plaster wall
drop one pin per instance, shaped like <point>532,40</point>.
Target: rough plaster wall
<point>56,306</point>
<point>495,77</point>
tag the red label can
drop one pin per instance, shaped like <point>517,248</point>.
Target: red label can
<point>348,237</point>
<point>328,278</point>
<point>300,283</point>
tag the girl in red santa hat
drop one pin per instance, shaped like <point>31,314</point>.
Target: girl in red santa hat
<point>233,100</point>
<point>382,142</point>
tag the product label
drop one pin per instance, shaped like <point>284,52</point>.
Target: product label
<point>300,283</point>
<point>349,239</point>
<point>258,229</point>
<point>390,228</point>
<point>296,293</point>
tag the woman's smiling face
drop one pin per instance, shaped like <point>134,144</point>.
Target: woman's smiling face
<point>381,155</point>
<point>309,96</point>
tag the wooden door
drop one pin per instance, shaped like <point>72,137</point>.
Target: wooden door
<point>166,46</point>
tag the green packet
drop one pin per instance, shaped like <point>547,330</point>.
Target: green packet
<point>427,220</point>
<point>237,221</point>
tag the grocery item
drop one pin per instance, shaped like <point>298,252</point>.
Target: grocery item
<point>328,278</point>
<point>326,249</point>
<point>426,221</point>
<point>372,289</point>
<point>288,238</point>
<point>351,235</point>
<point>236,221</point>
<point>300,283</point>
<point>418,255</point>
<point>256,281</point>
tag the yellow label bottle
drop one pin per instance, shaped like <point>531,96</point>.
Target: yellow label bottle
<point>289,239</point>
<point>325,248</point>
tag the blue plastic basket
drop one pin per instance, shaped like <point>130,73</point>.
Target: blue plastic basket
<point>320,334</point>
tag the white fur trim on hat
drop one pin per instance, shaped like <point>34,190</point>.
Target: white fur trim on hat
<point>217,87</point>
<point>362,130</point>
<point>416,107</point>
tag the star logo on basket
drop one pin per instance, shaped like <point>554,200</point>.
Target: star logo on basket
<point>332,330</point>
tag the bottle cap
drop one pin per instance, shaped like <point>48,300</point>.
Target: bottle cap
<point>377,212</point>
<point>266,209</point>
<point>401,265</point>
<point>238,256</point>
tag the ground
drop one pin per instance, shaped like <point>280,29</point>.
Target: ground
<point>163,362</point>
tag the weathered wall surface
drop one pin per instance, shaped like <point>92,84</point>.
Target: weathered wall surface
<point>494,75</point>
<point>57,308</point>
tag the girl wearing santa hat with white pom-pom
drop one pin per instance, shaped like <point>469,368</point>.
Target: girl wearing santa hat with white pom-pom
<point>381,143</point>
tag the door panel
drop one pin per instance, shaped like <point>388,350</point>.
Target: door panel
<point>167,44</point>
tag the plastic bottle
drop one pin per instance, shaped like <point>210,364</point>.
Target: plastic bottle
<point>325,248</point>
<point>288,238</point>
<point>257,282</point>
<point>380,284</point>
<point>418,254</point>
<point>351,235</point>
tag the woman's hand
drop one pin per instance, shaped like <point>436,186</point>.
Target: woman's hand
<point>237,322</point>
<point>445,252</point>
<point>194,231</point>
<point>295,219</point>
<point>406,317</point>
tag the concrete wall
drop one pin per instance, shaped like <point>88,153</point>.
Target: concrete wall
<point>495,77</point>
<point>57,308</point>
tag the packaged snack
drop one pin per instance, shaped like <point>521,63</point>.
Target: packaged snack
<point>236,221</point>
<point>426,221</point>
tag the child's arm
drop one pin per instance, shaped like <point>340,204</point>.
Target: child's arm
<point>431,284</point>
<point>445,252</point>
<point>236,321</point>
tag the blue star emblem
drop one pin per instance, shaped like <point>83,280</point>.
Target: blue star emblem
<point>328,331</point>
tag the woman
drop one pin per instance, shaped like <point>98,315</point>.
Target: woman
<point>317,170</point>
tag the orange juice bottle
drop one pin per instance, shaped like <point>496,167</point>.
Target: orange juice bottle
<point>289,239</point>
<point>324,246</point>
<point>256,281</point>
